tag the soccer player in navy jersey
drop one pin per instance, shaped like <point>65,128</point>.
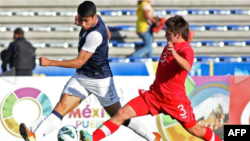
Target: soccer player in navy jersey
<point>167,94</point>
<point>93,76</point>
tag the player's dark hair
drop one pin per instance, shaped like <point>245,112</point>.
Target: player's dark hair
<point>177,25</point>
<point>86,9</point>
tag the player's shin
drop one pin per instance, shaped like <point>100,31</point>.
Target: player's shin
<point>106,129</point>
<point>140,129</point>
<point>49,124</point>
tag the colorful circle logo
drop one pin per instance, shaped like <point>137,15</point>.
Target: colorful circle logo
<point>10,102</point>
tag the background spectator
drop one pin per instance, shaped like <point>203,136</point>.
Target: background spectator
<point>20,54</point>
<point>145,20</point>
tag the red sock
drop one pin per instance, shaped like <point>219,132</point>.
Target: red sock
<point>210,135</point>
<point>216,138</point>
<point>98,135</point>
<point>106,129</point>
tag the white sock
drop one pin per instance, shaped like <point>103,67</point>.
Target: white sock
<point>49,124</point>
<point>141,130</point>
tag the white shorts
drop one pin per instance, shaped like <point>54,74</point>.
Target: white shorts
<point>82,86</point>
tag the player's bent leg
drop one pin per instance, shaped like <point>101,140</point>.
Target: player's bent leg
<point>67,103</point>
<point>197,131</point>
<point>112,109</point>
<point>203,132</point>
<point>141,108</point>
<point>51,122</point>
<point>123,114</point>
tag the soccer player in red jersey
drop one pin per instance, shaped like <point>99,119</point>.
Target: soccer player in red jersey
<point>167,94</point>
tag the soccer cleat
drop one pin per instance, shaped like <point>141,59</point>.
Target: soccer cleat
<point>26,133</point>
<point>157,136</point>
<point>85,136</point>
<point>81,135</point>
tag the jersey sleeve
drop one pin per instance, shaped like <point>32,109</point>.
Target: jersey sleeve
<point>188,54</point>
<point>93,40</point>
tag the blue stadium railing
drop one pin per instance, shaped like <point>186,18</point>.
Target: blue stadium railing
<point>128,12</point>
<point>122,44</point>
<point>53,28</point>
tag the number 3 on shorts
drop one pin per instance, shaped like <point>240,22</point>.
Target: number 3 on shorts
<point>182,109</point>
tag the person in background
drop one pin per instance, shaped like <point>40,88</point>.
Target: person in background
<point>145,21</point>
<point>20,55</point>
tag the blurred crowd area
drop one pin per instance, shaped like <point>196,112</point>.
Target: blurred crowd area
<point>221,28</point>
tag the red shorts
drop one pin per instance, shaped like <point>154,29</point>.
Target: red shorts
<point>177,107</point>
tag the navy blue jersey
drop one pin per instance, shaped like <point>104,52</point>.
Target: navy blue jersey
<point>98,65</point>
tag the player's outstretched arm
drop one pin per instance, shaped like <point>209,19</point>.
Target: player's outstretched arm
<point>74,63</point>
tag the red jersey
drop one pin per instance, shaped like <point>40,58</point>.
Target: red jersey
<point>170,77</point>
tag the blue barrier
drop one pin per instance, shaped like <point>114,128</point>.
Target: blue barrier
<point>197,28</point>
<point>225,68</point>
<point>122,44</point>
<point>229,59</point>
<point>245,58</point>
<point>118,60</point>
<point>238,27</point>
<point>193,43</point>
<point>200,69</point>
<point>110,12</point>
<point>223,65</point>
<point>53,71</point>
<point>212,43</point>
<point>161,43</point>
<point>240,12</point>
<point>204,59</point>
<point>247,42</point>
<point>139,43</point>
<point>197,12</point>
<point>176,12</point>
<point>216,27</point>
<point>122,27</point>
<point>126,28</point>
<point>234,43</point>
<point>139,59</point>
<point>219,12</point>
<point>118,68</point>
<point>128,12</point>
<point>155,58</point>
<point>128,69</point>
<point>192,27</point>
